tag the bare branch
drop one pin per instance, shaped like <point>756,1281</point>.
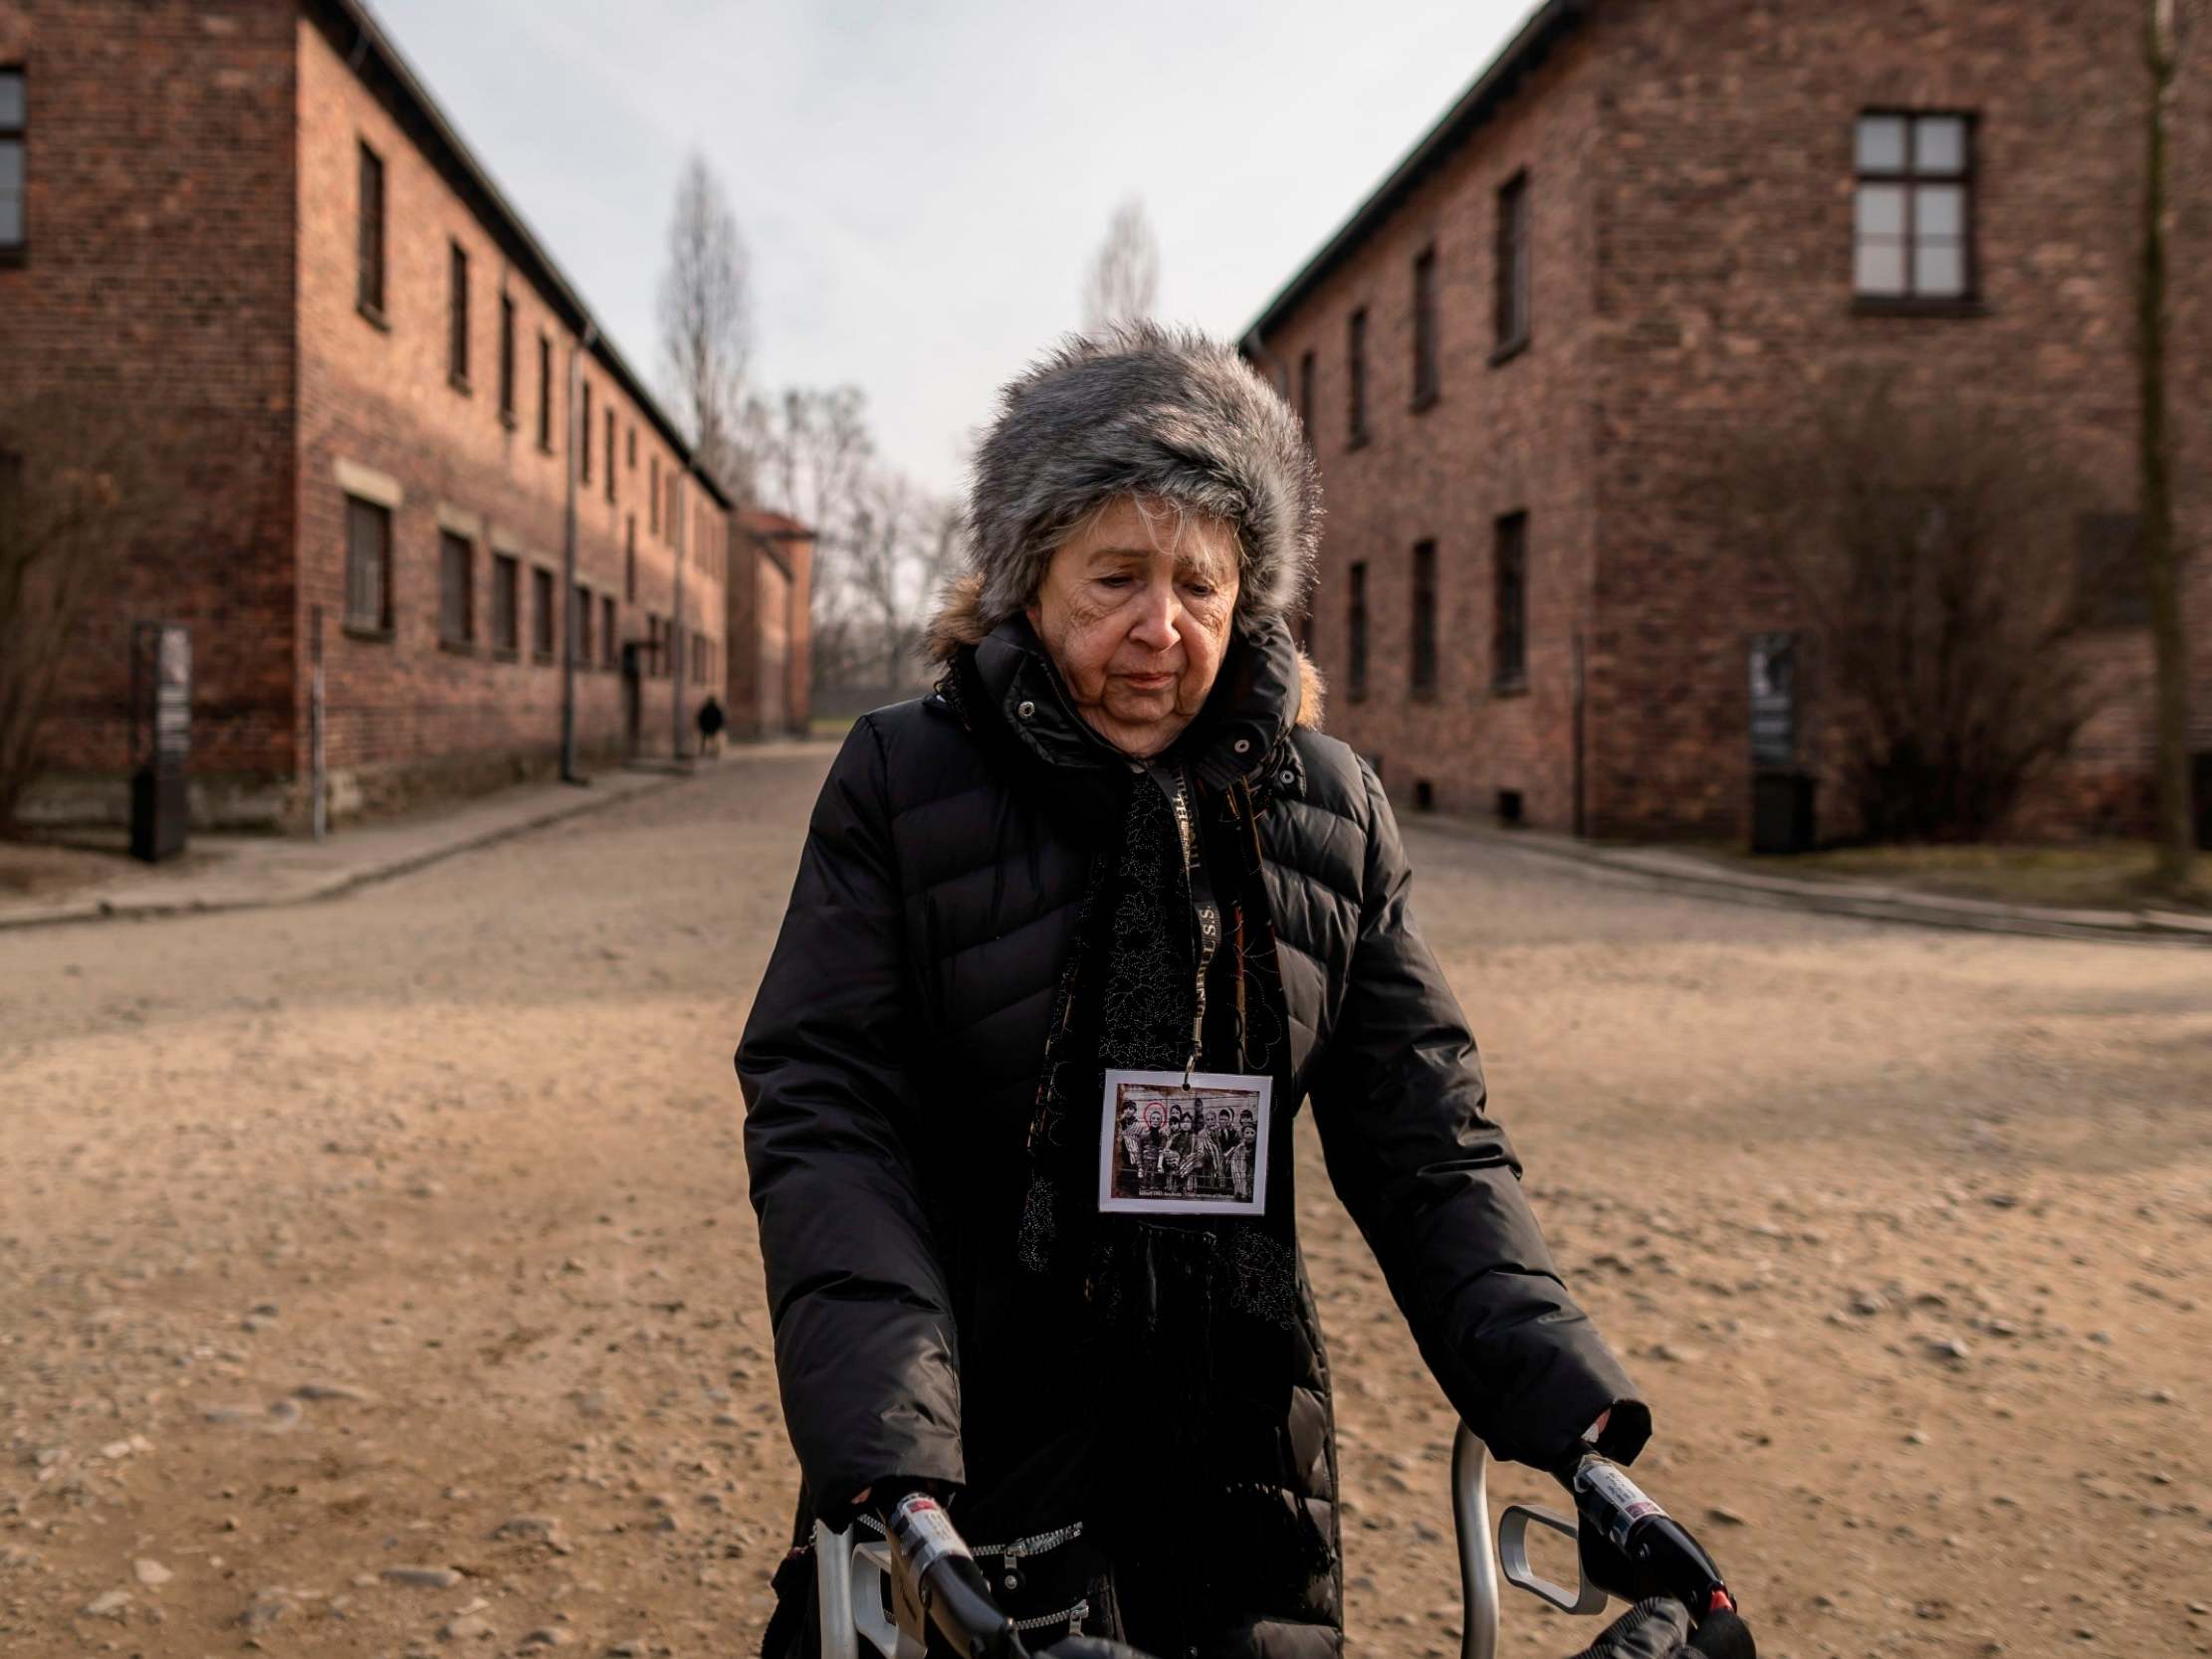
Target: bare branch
<point>706,323</point>
<point>1124,281</point>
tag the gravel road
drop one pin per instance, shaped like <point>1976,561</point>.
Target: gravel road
<point>376,1277</point>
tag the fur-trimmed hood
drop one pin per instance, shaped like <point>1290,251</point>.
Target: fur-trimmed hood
<point>1144,410</point>
<point>961,621</point>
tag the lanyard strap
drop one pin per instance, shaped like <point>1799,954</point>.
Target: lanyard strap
<point>1206,913</point>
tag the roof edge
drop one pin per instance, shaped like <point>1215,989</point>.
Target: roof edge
<point>370,41</point>
<point>1539,32</point>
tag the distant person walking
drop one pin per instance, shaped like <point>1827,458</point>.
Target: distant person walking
<point>711,724</point>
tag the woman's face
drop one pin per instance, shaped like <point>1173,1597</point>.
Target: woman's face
<point>1135,609</point>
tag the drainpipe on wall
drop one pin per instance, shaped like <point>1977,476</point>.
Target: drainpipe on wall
<point>676,628</point>
<point>567,610</point>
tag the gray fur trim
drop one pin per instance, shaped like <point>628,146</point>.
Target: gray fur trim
<point>1143,409</point>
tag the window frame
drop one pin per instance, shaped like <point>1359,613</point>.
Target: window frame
<point>19,134</point>
<point>1308,374</point>
<point>1509,673</point>
<point>372,232</point>
<point>583,429</point>
<point>1513,298</point>
<point>465,640</point>
<point>610,656</point>
<point>1354,632</point>
<point>507,358</point>
<point>457,317</point>
<point>544,392</point>
<point>1428,363</point>
<point>652,503</point>
<point>544,629</point>
<point>356,623</point>
<point>1356,430</point>
<point>611,424</point>
<point>507,580</point>
<point>1422,667</point>
<point>629,562</point>
<point>1968,301</point>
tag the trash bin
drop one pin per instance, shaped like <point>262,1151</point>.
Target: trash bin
<point>157,813</point>
<point>1782,812</point>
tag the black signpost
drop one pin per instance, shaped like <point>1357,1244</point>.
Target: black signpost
<point>1781,792</point>
<point>160,737</point>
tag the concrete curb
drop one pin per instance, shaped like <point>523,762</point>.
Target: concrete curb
<point>1862,901</point>
<point>152,905</point>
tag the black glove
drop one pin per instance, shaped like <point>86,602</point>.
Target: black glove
<point>1659,1629</point>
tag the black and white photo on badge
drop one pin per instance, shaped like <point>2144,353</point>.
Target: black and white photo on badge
<point>1177,1145</point>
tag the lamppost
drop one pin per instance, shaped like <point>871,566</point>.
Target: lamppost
<point>569,773</point>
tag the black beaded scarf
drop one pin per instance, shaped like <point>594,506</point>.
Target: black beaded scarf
<point>1193,1317</point>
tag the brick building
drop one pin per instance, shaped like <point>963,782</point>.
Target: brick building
<point>362,385</point>
<point>768,686</point>
<point>1648,228</point>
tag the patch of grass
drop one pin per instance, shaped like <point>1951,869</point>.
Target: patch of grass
<point>829,726</point>
<point>2096,875</point>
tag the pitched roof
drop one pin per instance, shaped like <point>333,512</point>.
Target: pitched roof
<point>373,56</point>
<point>1539,32</point>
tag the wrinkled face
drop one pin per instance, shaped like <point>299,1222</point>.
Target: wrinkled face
<point>1135,609</point>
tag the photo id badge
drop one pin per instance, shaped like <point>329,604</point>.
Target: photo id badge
<point>1177,1145</point>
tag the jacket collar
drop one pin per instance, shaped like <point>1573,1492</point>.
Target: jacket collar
<point>1258,697</point>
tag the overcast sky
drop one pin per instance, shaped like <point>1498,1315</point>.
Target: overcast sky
<point>922,185</point>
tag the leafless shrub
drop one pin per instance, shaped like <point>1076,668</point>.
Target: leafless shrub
<point>77,491</point>
<point>1932,549</point>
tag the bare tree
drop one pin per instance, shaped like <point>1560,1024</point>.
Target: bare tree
<point>2164,38</point>
<point>76,492</point>
<point>1124,281</point>
<point>707,324</point>
<point>1931,555</point>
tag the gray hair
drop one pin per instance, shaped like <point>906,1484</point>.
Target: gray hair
<point>1160,415</point>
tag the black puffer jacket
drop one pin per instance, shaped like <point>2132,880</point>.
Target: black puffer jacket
<point>890,1069</point>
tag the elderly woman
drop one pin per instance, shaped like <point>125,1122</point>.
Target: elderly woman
<point>1114,839</point>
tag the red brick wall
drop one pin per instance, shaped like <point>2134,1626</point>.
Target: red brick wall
<point>1725,299</point>
<point>158,279</point>
<point>766,687</point>
<point>1690,166</point>
<point>1513,436</point>
<point>380,397</point>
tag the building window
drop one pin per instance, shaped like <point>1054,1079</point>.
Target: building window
<point>367,566</point>
<point>1514,313</point>
<point>370,292</point>
<point>583,434</point>
<point>652,505</point>
<point>1355,658</point>
<point>545,394</point>
<point>457,317</point>
<point>2112,589</point>
<point>607,630</point>
<point>611,454</point>
<point>456,588</point>
<point>1355,367</point>
<point>14,127</point>
<point>542,634</point>
<point>1509,633</point>
<point>632,460</point>
<point>507,360</point>
<point>1912,235</point>
<point>1424,329</point>
<point>506,603</point>
<point>1425,618</point>
<point>580,625</point>
<point>1305,392</point>
<point>629,562</point>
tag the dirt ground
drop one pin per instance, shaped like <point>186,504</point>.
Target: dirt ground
<point>376,1277</point>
